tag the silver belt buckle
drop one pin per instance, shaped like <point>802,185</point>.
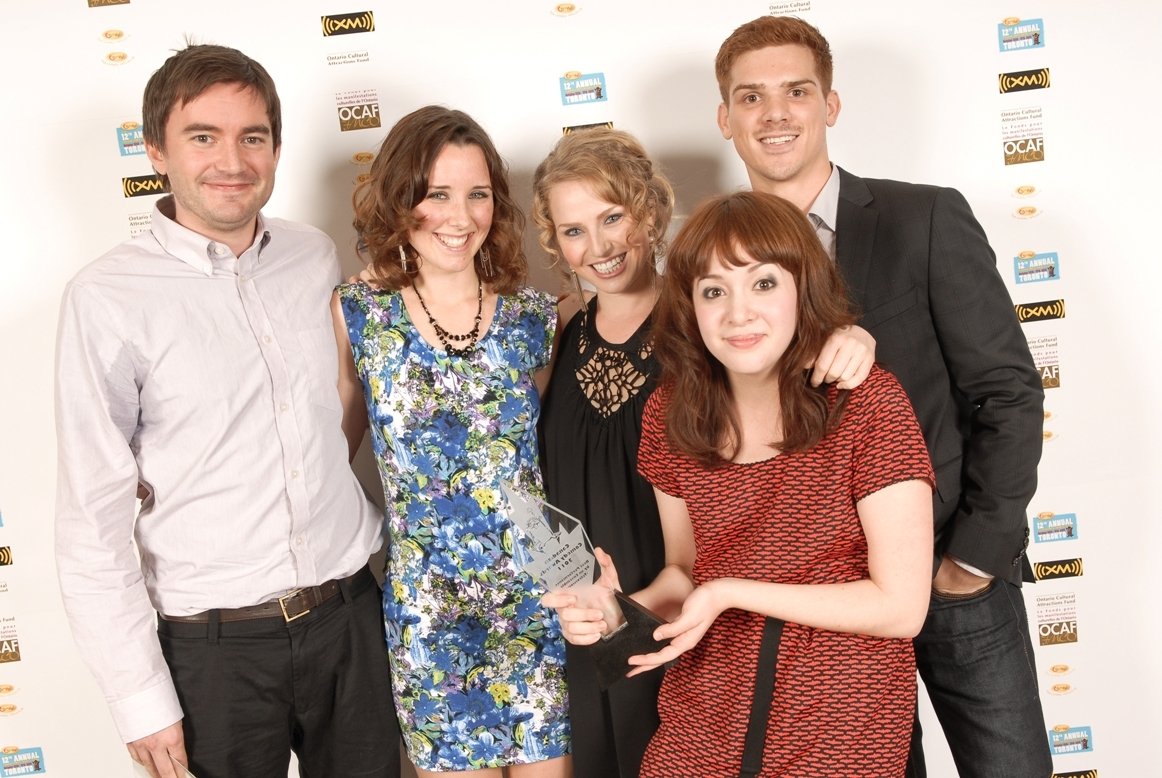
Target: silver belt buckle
<point>282,604</point>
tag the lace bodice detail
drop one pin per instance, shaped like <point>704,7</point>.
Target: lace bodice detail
<point>610,375</point>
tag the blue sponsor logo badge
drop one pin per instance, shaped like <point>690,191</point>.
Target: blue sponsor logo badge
<point>24,761</point>
<point>584,88</point>
<point>1070,740</point>
<point>1052,527</point>
<point>1021,35</point>
<point>1029,267</point>
<point>130,139</point>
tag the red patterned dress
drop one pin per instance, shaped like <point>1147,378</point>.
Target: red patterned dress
<point>843,703</point>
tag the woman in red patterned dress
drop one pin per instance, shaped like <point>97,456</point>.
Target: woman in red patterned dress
<point>806,508</point>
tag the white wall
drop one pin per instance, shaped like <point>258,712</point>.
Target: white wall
<point>920,102</point>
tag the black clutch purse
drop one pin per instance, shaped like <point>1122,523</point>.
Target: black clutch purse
<point>636,636</point>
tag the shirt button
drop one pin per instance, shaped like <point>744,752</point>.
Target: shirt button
<point>266,339</point>
<point>294,473</point>
<point>282,407</point>
<point>299,540</point>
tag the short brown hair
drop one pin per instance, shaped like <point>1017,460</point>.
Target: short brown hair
<point>193,70</point>
<point>700,421</point>
<point>384,202</point>
<point>768,31</point>
<point>618,169</point>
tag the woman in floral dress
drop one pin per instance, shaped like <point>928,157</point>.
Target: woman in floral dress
<point>448,346</point>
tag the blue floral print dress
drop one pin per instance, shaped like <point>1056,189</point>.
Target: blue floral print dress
<point>477,664</point>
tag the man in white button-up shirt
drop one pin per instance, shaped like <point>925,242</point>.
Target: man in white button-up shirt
<point>197,368</point>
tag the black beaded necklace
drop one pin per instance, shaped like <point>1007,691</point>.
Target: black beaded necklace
<point>447,338</point>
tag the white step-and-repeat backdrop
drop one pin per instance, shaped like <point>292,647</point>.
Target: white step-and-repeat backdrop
<point>1042,113</point>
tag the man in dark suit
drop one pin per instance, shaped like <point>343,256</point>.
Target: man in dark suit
<point>924,278</point>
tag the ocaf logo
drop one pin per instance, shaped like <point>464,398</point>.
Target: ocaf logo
<point>9,649</point>
<point>1021,150</point>
<point>1023,80</point>
<point>1047,309</point>
<point>1076,774</point>
<point>5,555</point>
<point>1054,633</point>
<point>1060,568</point>
<point>346,24</point>
<point>140,186</point>
<point>358,117</point>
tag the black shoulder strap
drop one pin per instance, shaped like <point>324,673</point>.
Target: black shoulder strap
<point>764,690</point>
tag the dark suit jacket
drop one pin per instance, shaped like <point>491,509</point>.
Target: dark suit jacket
<point>924,279</point>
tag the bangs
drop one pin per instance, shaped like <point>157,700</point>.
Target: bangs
<point>738,230</point>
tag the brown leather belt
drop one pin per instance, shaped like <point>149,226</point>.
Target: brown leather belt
<point>289,607</point>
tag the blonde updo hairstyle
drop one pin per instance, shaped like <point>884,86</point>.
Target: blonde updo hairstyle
<point>618,169</point>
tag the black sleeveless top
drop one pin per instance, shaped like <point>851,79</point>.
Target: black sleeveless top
<point>590,426</point>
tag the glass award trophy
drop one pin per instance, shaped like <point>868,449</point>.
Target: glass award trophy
<point>556,552</point>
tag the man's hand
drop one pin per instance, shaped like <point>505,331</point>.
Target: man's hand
<point>154,752</point>
<point>952,579</point>
<point>846,358</point>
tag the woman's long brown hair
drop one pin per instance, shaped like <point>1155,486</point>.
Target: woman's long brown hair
<point>736,229</point>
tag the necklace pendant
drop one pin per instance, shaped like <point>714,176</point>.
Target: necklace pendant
<point>447,338</point>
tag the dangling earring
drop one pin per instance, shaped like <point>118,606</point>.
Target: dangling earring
<point>403,260</point>
<point>580,296</point>
<point>486,262</point>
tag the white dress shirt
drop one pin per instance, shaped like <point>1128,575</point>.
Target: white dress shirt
<point>212,380</point>
<point>824,212</point>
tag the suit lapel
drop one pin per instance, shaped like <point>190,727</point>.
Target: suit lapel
<point>855,232</point>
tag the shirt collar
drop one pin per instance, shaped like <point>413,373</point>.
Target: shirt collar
<point>195,249</point>
<point>826,204</point>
